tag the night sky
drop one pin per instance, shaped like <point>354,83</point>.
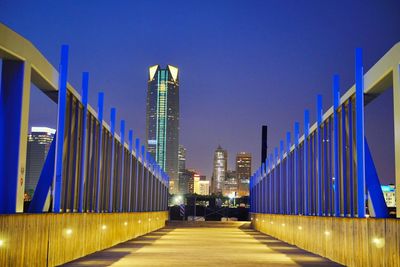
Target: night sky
<point>242,63</point>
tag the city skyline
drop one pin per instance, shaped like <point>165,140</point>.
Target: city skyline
<point>149,133</point>
<point>268,58</point>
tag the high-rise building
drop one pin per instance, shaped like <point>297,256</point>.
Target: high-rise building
<point>231,184</point>
<point>181,158</point>
<point>219,170</point>
<point>243,172</point>
<point>196,183</point>
<point>39,141</point>
<point>389,193</point>
<point>200,184</point>
<point>181,166</point>
<point>204,187</point>
<point>162,120</point>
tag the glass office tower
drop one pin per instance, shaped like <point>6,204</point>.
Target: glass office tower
<point>162,120</point>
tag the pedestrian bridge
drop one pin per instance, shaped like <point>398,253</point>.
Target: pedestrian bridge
<point>319,191</point>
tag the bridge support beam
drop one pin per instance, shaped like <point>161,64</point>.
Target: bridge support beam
<point>14,115</point>
<point>396,117</point>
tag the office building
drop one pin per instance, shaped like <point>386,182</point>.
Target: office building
<point>219,170</point>
<point>181,165</point>
<point>39,141</point>
<point>231,184</point>
<point>243,172</point>
<point>162,120</point>
<point>389,193</point>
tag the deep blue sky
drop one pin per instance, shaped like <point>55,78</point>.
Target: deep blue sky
<point>242,63</point>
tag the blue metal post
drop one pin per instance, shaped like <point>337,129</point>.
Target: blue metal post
<point>137,151</point>
<point>130,137</point>
<point>319,154</point>
<point>270,208</point>
<point>14,112</point>
<point>144,180</point>
<point>121,179</point>
<point>251,193</point>
<point>100,105</point>
<point>281,206</point>
<point>85,88</point>
<point>374,186</point>
<point>344,161</point>
<point>336,100</point>
<point>327,181</point>
<point>111,189</point>
<point>276,197</point>
<point>296,167</point>
<point>351,180</point>
<point>360,134</point>
<point>149,182</point>
<point>265,186</point>
<point>62,106</point>
<point>262,188</point>
<point>306,131</point>
<point>288,174</point>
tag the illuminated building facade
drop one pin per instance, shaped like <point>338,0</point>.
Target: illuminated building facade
<point>39,141</point>
<point>243,172</point>
<point>204,187</point>
<point>231,184</point>
<point>162,120</point>
<point>389,193</point>
<point>219,170</point>
<point>181,167</point>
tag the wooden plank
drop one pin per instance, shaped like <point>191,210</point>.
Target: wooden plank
<point>392,239</point>
<point>349,241</point>
<point>53,239</point>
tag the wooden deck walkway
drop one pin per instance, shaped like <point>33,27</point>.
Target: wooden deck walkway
<point>204,244</point>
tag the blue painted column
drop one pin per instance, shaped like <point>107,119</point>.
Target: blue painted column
<point>111,189</point>
<point>351,179</point>
<point>262,180</point>
<point>130,138</point>
<point>266,185</point>
<point>296,167</point>
<point>270,184</point>
<point>251,196</point>
<point>14,115</point>
<point>360,134</point>
<point>149,182</point>
<point>137,152</point>
<point>100,105</point>
<point>122,176</point>
<point>85,86</point>
<point>336,100</point>
<point>276,197</point>
<point>62,107</point>
<point>306,178</point>
<point>281,204</point>
<point>327,179</point>
<point>319,154</point>
<point>144,180</point>
<point>289,178</point>
<point>378,204</point>
<point>344,161</point>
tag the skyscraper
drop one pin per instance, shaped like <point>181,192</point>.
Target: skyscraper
<point>243,172</point>
<point>181,166</point>
<point>162,120</point>
<point>219,170</point>
<point>39,141</point>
